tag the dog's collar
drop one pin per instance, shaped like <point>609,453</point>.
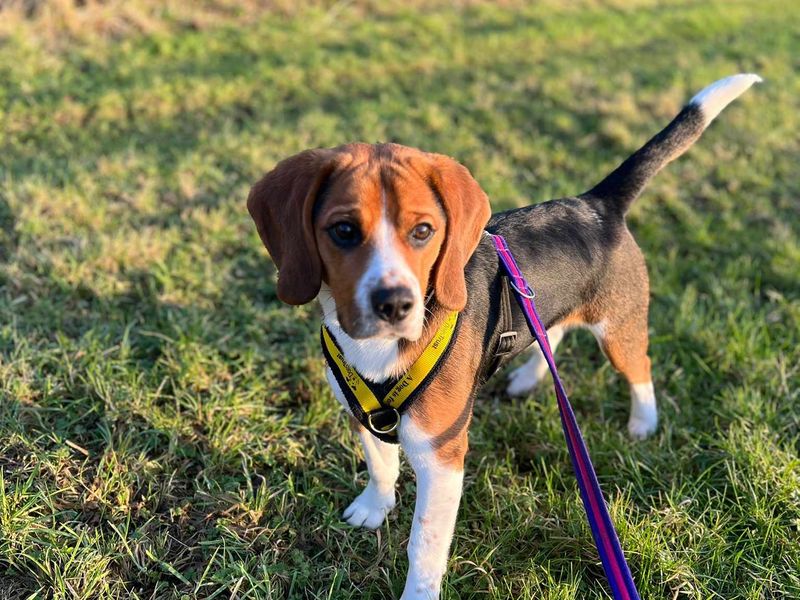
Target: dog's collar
<point>378,406</point>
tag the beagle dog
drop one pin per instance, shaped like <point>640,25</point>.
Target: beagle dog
<point>391,241</point>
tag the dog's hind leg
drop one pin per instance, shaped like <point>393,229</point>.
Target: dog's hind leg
<point>625,344</point>
<point>383,463</point>
<point>525,377</point>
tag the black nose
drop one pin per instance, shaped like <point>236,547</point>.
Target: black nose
<point>392,304</point>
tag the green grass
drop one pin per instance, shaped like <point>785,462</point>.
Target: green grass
<point>165,427</point>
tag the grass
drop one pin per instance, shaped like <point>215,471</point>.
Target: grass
<point>165,427</point>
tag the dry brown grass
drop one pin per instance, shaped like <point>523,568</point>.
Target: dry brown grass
<point>56,22</point>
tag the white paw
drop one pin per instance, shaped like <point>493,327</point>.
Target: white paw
<point>420,595</point>
<point>642,426</point>
<point>370,508</point>
<point>522,380</point>
<point>424,589</point>
<point>644,413</point>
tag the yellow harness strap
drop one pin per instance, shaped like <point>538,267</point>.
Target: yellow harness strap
<point>365,397</point>
<point>405,387</point>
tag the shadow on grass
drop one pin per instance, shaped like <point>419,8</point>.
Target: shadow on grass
<point>9,238</point>
<point>106,398</point>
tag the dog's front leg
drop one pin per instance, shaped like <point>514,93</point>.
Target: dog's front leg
<point>439,482</point>
<point>378,498</point>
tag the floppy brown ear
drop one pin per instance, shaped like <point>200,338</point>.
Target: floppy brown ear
<point>282,205</point>
<point>467,209</point>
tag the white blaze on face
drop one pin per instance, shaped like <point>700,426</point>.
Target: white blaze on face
<point>388,269</point>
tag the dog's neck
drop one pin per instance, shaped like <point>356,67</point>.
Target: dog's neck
<point>375,359</point>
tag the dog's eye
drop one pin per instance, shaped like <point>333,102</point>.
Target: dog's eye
<point>422,232</point>
<point>344,234</point>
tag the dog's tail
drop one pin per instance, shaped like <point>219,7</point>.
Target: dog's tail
<point>627,181</point>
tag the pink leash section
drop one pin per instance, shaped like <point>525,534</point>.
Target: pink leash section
<point>605,537</point>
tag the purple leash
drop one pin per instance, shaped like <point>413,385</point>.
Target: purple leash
<point>605,537</point>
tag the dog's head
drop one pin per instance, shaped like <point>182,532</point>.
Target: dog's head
<point>379,224</point>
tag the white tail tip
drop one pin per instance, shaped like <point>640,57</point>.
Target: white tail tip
<point>712,99</point>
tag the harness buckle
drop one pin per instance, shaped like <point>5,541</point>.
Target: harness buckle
<point>383,420</point>
<point>506,343</point>
<point>528,293</point>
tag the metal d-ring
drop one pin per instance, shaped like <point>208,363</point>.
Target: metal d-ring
<point>391,428</point>
<point>530,295</point>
